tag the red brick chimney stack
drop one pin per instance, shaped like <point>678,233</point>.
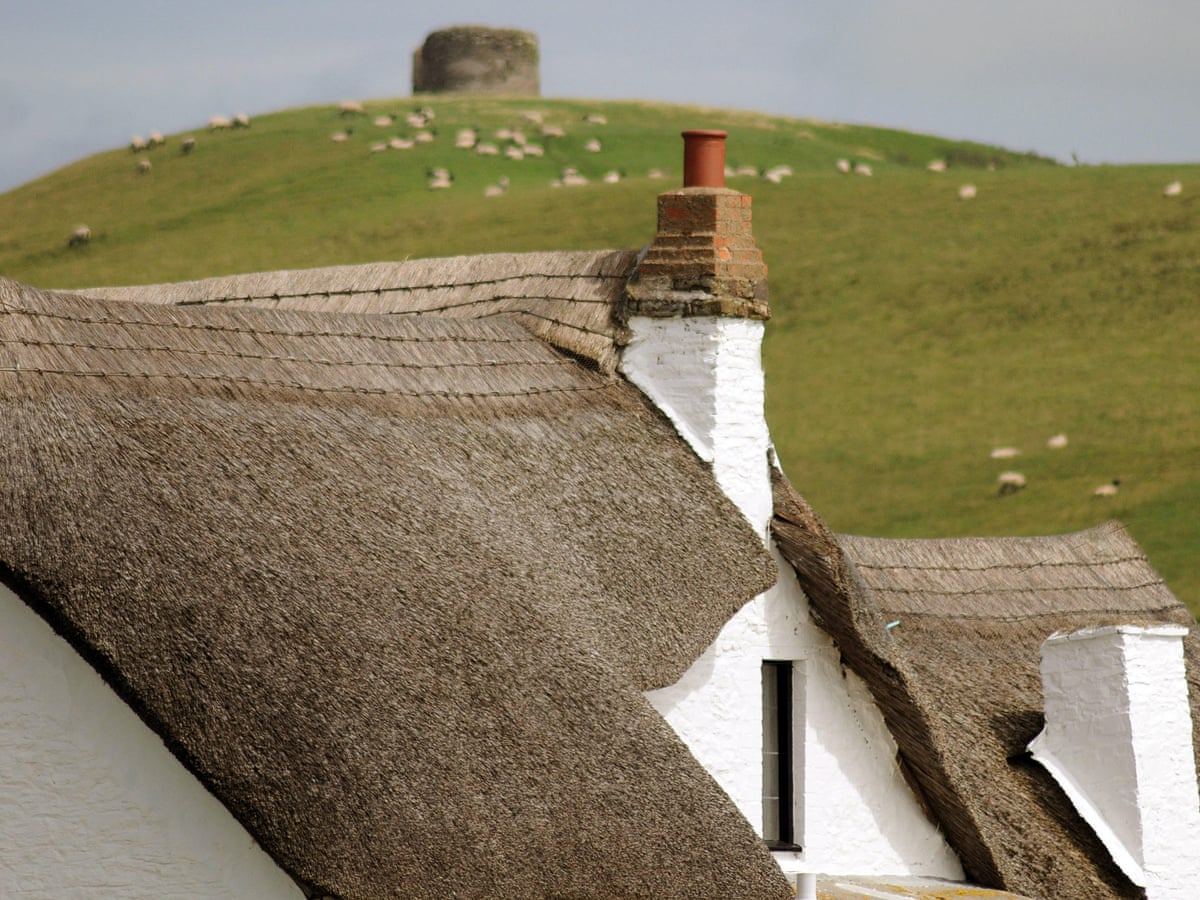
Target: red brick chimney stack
<point>703,260</point>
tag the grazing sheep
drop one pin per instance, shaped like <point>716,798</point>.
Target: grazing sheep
<point>379,147</point>
<point>1057,442</point>
<point>937,165</point>
<point>1011,482</point>
<point>143,166</point>
<point>592,146</point>
<point>383,121</point>
<point>966,192</point>
<point>776,174</point>
<point>843,166</point>
<point>137,143</point>
<point>531,116</point>
<point>1107,490</point>
<point>611,177</point>
<point>1005,453</point>
<point>156,139</point>
<point>514,152</point>
<point>572,178</point>
<point>440,179</point>
<point>401,144</point>
<point>487,149</point>
<point>595,119</point>
<point>1174,189</point>
<point>534,150</point>
<point>241,120</point>
<point>415,120</point>
<point>863,169</point>
<point>423,137</point>
<point>495,190</point>
<point>187,145</point>
<point>81,235</point>
<point>351,108</point>
<point>466,138</point>
<point>340,137</point>
<point>553,131</point>
<point>219,123</point>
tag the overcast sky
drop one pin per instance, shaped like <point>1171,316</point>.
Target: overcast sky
<point>1108,80</point>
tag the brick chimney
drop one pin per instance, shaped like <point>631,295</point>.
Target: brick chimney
<point>1118,740</point>
<point>694,311</point>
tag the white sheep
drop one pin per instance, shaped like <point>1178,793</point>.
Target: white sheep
<point>595,119</point>
<point>81,235</point>
<point>487,149</point>
<point>863,169</point>
<point>156,139</point>
<point>401,144</point>
<point>340,137</point>
<point>1107,490</point>
<point>592,146</point>
<point>967,192</point>
<point>534,150</point>
<point>350,108</point>
<point>219,123</point>
<point>514,152</point>
<point>553,131</point>
<point>843,166</point>
<point>937,166</point>
<point>241,120</point>
<point>496,190</point>
<point>1174,189</point>
<point>423,137</point>
<point>143,166</point>
<point>440,179</point>
<point>1011,482</point>
<point>1057,442</point>
<point>1005,453</point>
<point>187,145</point>
<point>466,138</point>
<point>611,177</point>
<point>137,143</point>
<point>383,121</point>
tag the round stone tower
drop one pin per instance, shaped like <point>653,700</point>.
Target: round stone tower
<point>474,59</point>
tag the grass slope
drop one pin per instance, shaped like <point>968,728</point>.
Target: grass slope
<point>912,332</point>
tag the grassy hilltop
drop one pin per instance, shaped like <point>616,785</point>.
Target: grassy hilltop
<point>913,332</point>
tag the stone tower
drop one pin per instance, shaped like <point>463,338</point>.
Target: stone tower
<point>474,59</point>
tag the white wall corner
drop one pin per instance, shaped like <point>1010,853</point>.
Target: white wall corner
<point>705,374</point>
<point>1118,740</point>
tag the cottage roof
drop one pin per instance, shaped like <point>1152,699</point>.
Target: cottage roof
<point>391,586</point>
<point>947,635</point>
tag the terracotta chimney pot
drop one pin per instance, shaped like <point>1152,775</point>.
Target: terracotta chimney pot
<point>704,158</point>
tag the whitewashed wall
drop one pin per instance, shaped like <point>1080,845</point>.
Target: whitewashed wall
<point>92,804</point>
<point>855,814</point>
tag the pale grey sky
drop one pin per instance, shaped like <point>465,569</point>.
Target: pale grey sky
<point>1110,80</point>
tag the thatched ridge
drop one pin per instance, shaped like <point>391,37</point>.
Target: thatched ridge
<point>565,298</point>
<point>391,587</point>
<point>947,635</point>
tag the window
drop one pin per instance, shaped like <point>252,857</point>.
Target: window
<point>778,798</point>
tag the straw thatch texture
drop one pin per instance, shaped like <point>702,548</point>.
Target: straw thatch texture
<point>947,634</point>
<point>565,298</point>
<point>390,587</point>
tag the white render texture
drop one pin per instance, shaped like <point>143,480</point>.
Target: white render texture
<point>854,812</point>
<point>92,803</point>
<point>1118,739</point>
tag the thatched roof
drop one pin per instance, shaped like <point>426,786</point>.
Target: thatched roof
<point>390,586</point>
<point>947,635</point>
<point>565,298</point>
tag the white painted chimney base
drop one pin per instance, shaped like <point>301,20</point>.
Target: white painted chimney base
<point>1118,739</point>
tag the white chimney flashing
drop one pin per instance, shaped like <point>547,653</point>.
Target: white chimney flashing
<point>1118,740</point>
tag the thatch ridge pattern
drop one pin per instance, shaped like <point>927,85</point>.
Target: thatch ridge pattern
<point>566,298</point>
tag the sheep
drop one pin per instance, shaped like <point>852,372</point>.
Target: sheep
<point>1005,453</point>
<point>776,174</point>
<point>1011,482</point>
<point>496,190</point>
<point>487,149</point>
<point>156,139</point>
<point>967,192</point>
<point>534,150</point>
<point>595,119</point>
<point>466,138</point>
<point>137,143</point>
<point>532,117</point>
<point>657,174</point>
<point>572,178</point>
<point>863,169</point>
<point>514,152</point>
<point>937,166</point>
<point>423,137</point>
<point>340,137</point>
<point>1107,490</point>
<point>611,177</point>
<point>81,235</point>
<point>1057,442</point>
<point>440,179</point>
<point>379,147</point>
<point>553,131</point>
<point>187,145</point>
<point>241,120</point>
<point>843,166</point>
<point>219,123</point>
<point>143,166</point>
<point>1174,189</point>
<point>350,108</point>
<point>401,144</point>
<point>592,146</point>
<point>383,121</point>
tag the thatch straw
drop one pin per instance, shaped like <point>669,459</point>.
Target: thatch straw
<point>565,298</point>
<point>947,635</point>
<point>391,588</point>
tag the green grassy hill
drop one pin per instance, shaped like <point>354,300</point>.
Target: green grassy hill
<point>913,332</point>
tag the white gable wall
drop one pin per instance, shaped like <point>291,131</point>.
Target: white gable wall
<point>855,813</point>
<point>92,804</point>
